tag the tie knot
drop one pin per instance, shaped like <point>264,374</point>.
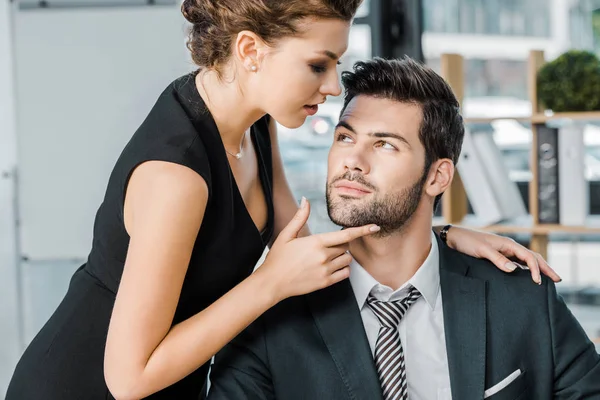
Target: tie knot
<point>389,313</point>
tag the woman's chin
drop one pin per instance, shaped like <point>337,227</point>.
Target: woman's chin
<point>290,121</point>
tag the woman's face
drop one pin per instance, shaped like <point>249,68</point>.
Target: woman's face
<point>300,72</point>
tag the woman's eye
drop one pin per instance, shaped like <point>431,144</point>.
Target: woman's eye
<point>318,69</point>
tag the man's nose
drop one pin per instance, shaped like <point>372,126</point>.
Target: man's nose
<point>355,161</point>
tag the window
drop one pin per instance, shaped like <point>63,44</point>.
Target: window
<point>492,77</point>
<point>488,17</point>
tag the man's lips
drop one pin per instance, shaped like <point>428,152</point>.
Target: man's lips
<point>351,187</point>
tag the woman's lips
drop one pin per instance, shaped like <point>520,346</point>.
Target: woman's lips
<point>311,110</point>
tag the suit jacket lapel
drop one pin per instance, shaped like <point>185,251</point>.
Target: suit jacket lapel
<point>464,304</point>
<point>338,319</point>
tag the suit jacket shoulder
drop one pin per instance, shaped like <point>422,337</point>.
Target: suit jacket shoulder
<point>498,323</point>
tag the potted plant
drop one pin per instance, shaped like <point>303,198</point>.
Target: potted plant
<point>570,83</point>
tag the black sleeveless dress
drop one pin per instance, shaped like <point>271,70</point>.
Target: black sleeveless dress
<point>65,360</point>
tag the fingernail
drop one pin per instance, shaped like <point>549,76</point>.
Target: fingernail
<point>375,228</point>
<point>510,266</point>
<point>522,266</point>
<point>303,202</point>
<point>539,280</point>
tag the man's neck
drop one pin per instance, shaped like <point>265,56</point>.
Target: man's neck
<point>392,260</point>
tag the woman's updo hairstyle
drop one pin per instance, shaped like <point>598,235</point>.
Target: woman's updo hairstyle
<point>215,23</point>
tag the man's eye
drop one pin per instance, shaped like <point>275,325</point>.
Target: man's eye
<point>344,138</point>
<point>387,145</point>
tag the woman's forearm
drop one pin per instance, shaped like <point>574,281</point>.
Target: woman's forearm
<point>193,342</point>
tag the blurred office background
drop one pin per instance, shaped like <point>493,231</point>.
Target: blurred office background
<point>78,76</point>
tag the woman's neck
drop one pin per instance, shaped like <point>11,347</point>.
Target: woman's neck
<point>230,107</point>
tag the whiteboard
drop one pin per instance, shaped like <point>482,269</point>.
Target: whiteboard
<point>86,79</point>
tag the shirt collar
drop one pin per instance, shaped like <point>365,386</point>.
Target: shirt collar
<point>426,279</point>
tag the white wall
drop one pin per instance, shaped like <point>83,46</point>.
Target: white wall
<point>7,95</point>
<point>9,294</point>
<point>86,78</point>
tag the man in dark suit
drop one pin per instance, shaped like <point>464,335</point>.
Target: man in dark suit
<point>415,319</point>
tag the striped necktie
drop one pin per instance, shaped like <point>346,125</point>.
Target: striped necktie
<point>389,355</point>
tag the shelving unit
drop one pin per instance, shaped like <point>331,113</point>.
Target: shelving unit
<point>455,200</point>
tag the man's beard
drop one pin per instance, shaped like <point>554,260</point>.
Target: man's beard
<point>390,212</point>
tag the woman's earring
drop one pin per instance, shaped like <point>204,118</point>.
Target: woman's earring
<point>248,62</point>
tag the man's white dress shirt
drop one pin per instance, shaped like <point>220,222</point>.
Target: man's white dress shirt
<point>421,328</point>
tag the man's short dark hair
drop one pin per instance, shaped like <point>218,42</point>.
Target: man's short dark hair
<point>407,81</point>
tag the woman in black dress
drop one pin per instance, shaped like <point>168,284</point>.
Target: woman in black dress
<point>195,197</point>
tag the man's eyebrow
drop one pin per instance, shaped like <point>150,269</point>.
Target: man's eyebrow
<point>343,124</point>
<point>390,135</point>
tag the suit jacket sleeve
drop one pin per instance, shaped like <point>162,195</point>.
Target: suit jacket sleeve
<point>576,362</point>
<point>241,369</point>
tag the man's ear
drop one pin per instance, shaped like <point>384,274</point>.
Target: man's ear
<point>440,177</point>
<point>248,50</point>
